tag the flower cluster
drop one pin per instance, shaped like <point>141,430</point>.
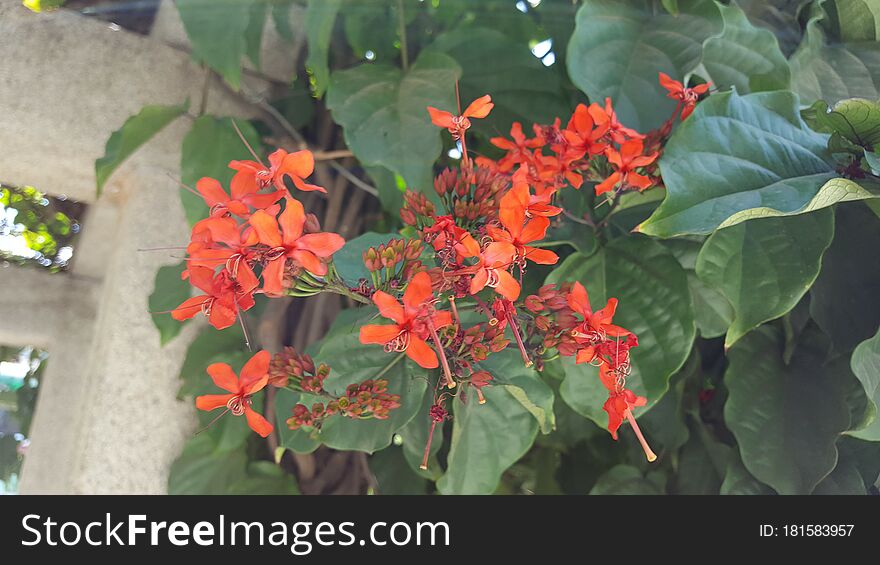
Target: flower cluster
<point>252,234</point>
<point>448,292</point>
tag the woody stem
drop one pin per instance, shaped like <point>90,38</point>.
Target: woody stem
<point>424,465</point>
<point>449,382</point>
<point>519,342</point>
<point>632,422</point>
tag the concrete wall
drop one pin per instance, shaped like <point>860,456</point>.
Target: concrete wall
<point>107,418</point>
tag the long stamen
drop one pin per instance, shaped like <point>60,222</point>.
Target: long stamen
<point>454,310</point>
<point>480,397</point>
<point>424,465</point>
<point>246,144</point>
<point>519,342</point>
<point>449,382</point>
<point>212,422</point>
<point>632,422</point>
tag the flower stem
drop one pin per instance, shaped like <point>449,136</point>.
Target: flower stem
<point>449,382</point>
<point>519,342</point>
<point>632,422</point>
<point>424,465</point>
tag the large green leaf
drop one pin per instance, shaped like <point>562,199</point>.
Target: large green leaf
<point>712,311</point>
<point>414,436</point>
<point>856,119</point>
<point>655,304</point>
<point>486,440</point>
<point>765,266</point>
<point>319,20</point>
<point>169,291</point>
<point>738,480</point>
<point>626,479</point>
<point>383,112</point>
<point>854,20</point>
<point>865,364</point>
<point>349,260</point>
<point>136,131</point>
<point>743,157</point>
<point>522,88</point>
<point>786,418</point>
<point>844,300</point>
<point>619,46</point>
<point>216,29</point>
<point>207,149</point>
<point>353,362</point>
<point>393,475</point>
<point>524,384</point>
<point>834,71</point>
<point>745,56</point>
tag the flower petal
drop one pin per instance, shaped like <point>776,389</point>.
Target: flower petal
<point>256,368</point>
<point>213,401</point>
<point>266,227</point>
<point>419,351</point>
<point>375,333</point>
<point>223,376</point>
<point>389,307</point>
<point>257,422</point>
<point>418,290</point>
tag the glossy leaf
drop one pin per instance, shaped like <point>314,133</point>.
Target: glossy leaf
<point>844,300</point>
<point>786,418</point>
<point>743,157</point>
<point>619,46</point>
<point>486,440</point>
<point>383,113</point>
<point>320,18</point>
<point>712,310</point>
<point>854,20</point>
<point>744,56</point>
<point>823,70</point>
<point>169,291</point>
<point>738,480</point>
<point>207,150</point>
<point>349,260</point>
<point>136,131</point>
<point>865,364</point>
<point>856,119</point>
<point>626,479</point>
<point>216,29</point>
<point>655,304</point>
<point>524,384</point>
<point>765,266</point>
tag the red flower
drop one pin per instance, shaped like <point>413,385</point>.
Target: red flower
<point>254,376</point>
<point>586,132</point>
<point>518,233</point>
<point>626,161</point>
<point>518,150</point>
<point>687,97</point>
<point>618,132</point>
<point>492,271</point>
<point>411,322</point>
<point>286,239</point>
<point>297,166</point>
<point>244,197</point>
<point>457,125</point>
<point>224,296</point>
<point>533,204</point>
<point>596,326</point>
<point>618,405</point>
<point>235,246</point>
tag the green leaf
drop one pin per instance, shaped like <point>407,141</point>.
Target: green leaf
<point>349,261</point>
<point>486,440</point>
<point>834,71</point>
<point>702,463</point>
<point>216,30</point>
<point>207,150</point>
<point>865,364</point>
<point>844,300</point>
<point>354,362</point>
<point>253,34</point>
<point>298,441</point>
<point>201,469</point>
<point>738,480</point>
<point>265,478</point>
<point>712,311</point>
<point>764,267</point>
<point>619,47</point>
<point>524,384</point>
<point>394,475</point>
<point>856,119</point>
<point>319,21</point>
<point>626,479</point>
<point>745,56</point>
<point>855,20</point>
<point>383,112</point>
<point>136,131</point>
<point>655,304</point>
<point>522,88</point>
<point>414,436</point>
<point>169,291</point>
<point>665,422</point>
<point>743,157</point>
<point>786,418</point>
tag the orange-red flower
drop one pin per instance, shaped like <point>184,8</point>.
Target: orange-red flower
<point>243,198</point>
<point>519,233</point>
<point>596,326</point>
<point>618,132</point>
<point>687,97</point>
<point>412,322</point>
<point>297,166</point>
<point>492,271</point>
<point>224,296</point>
<point>220,240</point>
<point>625,162</point>
<point>586,132</point>
<point>618,405</point>
<point>457,125</point>
<point>254,376</point>
<point>518,150</point>
<point>286,240</point>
